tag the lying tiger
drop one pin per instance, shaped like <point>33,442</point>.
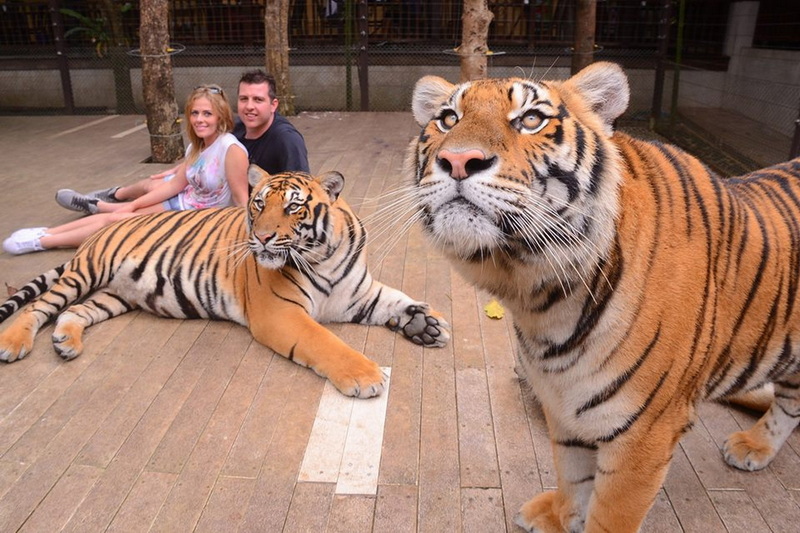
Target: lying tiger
<point>639,281</point>
<point>293,258</point>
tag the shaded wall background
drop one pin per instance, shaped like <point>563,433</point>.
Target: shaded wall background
<point>739,58</point>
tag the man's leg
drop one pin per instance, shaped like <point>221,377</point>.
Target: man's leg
<point>87,203</point>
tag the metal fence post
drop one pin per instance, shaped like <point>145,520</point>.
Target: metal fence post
<point>794,151</point>
<point>363,55</point>
<point>676,77</point>
<point>61,53</point>
<point>663,48</point>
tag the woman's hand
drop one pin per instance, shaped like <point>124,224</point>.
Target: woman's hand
<point>164,174</point>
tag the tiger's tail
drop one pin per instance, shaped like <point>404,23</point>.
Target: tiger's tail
<point>30,291</point>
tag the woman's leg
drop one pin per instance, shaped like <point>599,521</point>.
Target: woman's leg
<point>69,235</point>
<point>72,234</point>
<point>93,221</point>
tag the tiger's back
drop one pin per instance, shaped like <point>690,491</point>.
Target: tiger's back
<point>179,264</point>
<point>732,299</point>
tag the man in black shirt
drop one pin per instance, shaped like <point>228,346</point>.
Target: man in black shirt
<point>272,143</point>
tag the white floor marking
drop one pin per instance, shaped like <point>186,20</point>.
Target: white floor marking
<point>83,126</point>
<point>346,440</point>
<point>128,132</point>
<point>362,450</point>
<point>326,443</point>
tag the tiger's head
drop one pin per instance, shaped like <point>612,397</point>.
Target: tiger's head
<point>289,216</point>
<point>519,167</point>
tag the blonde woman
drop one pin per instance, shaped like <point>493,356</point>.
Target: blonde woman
<point>213,174</point>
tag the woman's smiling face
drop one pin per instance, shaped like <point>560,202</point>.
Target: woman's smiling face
<point>204,120</point>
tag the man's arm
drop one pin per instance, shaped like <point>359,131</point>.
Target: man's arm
<point>293,152</point>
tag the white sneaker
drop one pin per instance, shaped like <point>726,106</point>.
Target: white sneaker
<point>29,232</point>
<point>22,245</point>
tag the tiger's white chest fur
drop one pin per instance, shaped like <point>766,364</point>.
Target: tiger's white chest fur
<point>565,370</point>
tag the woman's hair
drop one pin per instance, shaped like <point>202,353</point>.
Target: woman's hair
<point>215,95</point>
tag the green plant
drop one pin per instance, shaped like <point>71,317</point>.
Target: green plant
<point>96,29</point>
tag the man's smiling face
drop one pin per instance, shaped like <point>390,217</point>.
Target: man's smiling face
<point>256,108</point>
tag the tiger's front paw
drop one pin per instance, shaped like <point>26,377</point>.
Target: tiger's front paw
<point>15,343</point>
<point>422,325</point>
<point>546,512</point>
<point>360,378</point>
<point>747,450</point>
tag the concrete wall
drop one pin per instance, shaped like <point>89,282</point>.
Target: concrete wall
<point>765,85</point>
<point>42,88</point>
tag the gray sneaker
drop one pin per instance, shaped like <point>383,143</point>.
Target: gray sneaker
<point>75,201</point>
<point>105,195</point>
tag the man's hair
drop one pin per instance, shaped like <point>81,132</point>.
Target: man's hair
<point>254,77</point>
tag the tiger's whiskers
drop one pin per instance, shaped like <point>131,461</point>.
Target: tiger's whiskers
<point>588,248</point>
<point>238,250</point>
<point>395,217</point>
<point>302,263</point>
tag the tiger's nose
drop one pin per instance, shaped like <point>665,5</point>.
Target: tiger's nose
<point>263,238</point>
<point>461,165</point>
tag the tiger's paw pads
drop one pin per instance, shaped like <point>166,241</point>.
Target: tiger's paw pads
<point>746,451</point>
<point>366,381</point>
<point>15,346</point>
<point>422,326</point>
<point>542,514</point>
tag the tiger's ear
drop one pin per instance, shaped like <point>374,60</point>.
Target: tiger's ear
<point>255,174</point>
<point>332,182</point>
<point>604,86</point>
<point>429,93</point>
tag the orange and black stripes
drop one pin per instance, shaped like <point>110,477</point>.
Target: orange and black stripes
<point>640,282</point>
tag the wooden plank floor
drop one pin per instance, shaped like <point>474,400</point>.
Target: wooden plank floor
<point>170,425</point>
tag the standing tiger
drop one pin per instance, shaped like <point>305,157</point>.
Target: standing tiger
<point>293,258</point>
<point>639,281</point>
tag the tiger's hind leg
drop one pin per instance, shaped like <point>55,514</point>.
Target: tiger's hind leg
<point>16,341</point>
<point>754,448</point>
<point>68,333</point>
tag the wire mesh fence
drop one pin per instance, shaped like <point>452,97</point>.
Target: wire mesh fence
<point>366,55</point>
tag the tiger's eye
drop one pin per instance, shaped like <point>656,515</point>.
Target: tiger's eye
<point>531,121</point>
<point>448,120</point>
